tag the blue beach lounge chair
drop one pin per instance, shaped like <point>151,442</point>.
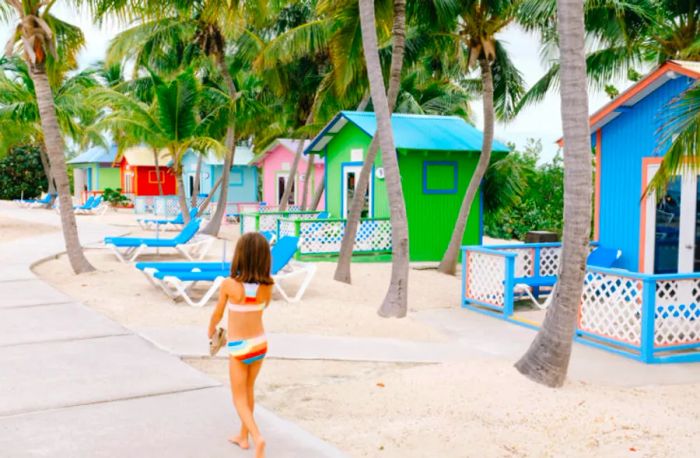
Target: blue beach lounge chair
<point>178,279</point>
<point>187,243</point>
<point>96,207</point>
<point>174,224</point>
<point>599,257</point>
<point>36,203</point>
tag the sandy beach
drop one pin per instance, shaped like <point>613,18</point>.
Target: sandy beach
<point>480,407</point>
<point>475,409</point>
<point>13,229</point>
<point>328,307</point>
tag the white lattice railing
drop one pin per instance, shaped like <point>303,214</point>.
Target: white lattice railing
<point>677,312</point>
<point>261,221</point>
<point>652,318</point>
<point>249,222</point>
<point>484,276</point>
<point>142,204</point>
<point>611,307</point>
<point>324,236</point>
<point>166,206</point>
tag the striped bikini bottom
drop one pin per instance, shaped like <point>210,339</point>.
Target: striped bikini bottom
<point>248,350</point>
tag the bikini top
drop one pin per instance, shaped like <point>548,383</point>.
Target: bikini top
<point>250,298</point>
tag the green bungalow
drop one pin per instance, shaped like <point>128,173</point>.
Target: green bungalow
<point>437,157</point>
<point>94,171</point>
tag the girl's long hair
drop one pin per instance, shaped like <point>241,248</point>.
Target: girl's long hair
<point>252,261</point>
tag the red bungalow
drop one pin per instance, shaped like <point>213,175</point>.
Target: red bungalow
<point>138,173</point>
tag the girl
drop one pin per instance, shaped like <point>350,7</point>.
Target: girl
<point>247,294</point>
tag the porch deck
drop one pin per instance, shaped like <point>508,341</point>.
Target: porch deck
<point>650,318</point>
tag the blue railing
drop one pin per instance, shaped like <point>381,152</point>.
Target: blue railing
<point>651,318</point>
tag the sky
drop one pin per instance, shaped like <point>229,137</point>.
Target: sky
<point>540,121</point>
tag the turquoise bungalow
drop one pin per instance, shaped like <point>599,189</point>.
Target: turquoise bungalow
<point>243,179</point>
<point>654,238</point>
<point>94,170</point>
<point>437,156</point>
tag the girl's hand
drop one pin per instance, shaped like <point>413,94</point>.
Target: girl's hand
<point>211,332</point>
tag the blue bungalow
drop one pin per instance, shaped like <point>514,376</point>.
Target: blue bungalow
<point>647,307</point>
<point>243,180</point>
<point>653,238</point>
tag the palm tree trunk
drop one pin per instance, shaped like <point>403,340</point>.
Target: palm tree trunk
<point>317,195</point>
<point>547,359</point>
<point>343,268</point>
<point>395,301</point>
<point>448,264</point>
<point>51,183</point>
<point>289,186</point>
<point>57,163</point>
<point>156,160</point>
<point>197,173</point>
<point>212,228</point>
<point>205,203</point>
<point>181,196</point>
<point>310,172</point>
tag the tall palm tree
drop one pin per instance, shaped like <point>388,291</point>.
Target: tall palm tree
<point>210,24</point>
<point>477,25</point>
<point>622,35</point>
<point>46,43</point>
<point>395,301</point>
<point>547,359</point>
<point>18,107</point>
<point>170,123</point>
<point>398,35</point>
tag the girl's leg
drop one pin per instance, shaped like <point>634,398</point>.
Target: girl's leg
<point>239,387</point>
<point>253,371</point>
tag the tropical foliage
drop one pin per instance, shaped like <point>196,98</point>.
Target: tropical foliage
<point>521,194</point>
<point>21,174</point>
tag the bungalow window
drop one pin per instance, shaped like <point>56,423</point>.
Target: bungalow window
<point>440,177</point>
<point>236,178</point>
<point>153,177</point>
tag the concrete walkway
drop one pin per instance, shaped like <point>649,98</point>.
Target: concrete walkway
<point>74,383</point>
<point>189,341</point>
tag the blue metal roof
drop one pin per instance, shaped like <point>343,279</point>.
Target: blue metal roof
<point>411,132</point>
<point>96,154</point>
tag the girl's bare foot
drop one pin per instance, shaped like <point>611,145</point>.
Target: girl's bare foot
<point>241,441</point>
<point>259,447</point>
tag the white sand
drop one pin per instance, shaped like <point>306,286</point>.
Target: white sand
<point>480,408</point>
<point>475,409</point>
<point>328,307</point>
<point>13,229</point>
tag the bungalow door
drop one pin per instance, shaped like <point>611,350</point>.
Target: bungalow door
<point>672,242</point>
<point>282,180</point>
<point>351,175</point>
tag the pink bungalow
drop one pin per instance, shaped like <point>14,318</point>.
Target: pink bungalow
<point>275,162</point>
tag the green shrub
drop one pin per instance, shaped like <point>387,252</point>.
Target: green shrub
<point>21,174</point>
<point>115,197</point>
<point>523,196</point>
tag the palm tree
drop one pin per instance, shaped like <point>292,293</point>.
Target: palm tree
<point>208,24</point>
<point>47,42</point>
<point>478,23</point>
<point>170,123</point>
<point>547,359</point>
<point>395,301</point>
<point>342,271</point>
<point>18,107</point>
<point>624,34</point>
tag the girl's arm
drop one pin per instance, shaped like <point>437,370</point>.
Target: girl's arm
<point>218,313</point>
